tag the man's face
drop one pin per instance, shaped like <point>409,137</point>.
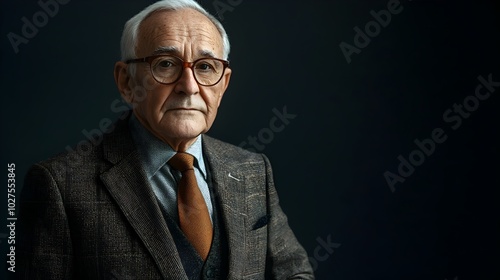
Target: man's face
<point>178,112</point>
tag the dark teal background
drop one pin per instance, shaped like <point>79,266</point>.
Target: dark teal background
<point>352,120</point>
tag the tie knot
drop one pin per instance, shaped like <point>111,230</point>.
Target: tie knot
<point>182,162</point>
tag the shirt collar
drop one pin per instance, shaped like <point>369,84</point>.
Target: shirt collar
<point>155,153</point>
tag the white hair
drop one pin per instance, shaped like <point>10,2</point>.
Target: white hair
<point>131,29</point>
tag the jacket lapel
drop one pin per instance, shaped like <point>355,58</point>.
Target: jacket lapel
<point>128,185</point>
<point>228,181</point>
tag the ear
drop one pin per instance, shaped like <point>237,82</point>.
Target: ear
<point>224,83</point>
<point>122,80</point>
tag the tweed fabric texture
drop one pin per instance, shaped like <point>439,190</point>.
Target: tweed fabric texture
<point>91,214</point>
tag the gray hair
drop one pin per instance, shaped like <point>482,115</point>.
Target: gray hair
<point>131,29</point>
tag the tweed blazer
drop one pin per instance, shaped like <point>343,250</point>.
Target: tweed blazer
<point>91,214</point>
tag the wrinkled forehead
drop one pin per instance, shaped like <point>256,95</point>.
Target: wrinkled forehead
<point>186,33</point>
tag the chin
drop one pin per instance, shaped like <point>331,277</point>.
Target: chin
<point>182,127</point>
<point>187,132</point>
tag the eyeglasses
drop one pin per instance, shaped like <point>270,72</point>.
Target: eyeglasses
<point>167,69</point>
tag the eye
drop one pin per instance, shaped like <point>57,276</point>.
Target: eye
<point>165,63</point>
<point>205,66</point>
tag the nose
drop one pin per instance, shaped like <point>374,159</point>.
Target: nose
<point>187,83</point>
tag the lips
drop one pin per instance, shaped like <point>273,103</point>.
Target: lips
<point>186,109</point>
<point>185,106</point>
<point>181,110</point>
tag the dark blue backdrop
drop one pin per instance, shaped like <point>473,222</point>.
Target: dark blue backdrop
<point>362,89</point>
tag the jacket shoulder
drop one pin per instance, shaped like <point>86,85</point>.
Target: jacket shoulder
<point>227,152</point>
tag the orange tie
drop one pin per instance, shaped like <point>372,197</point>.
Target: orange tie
<point>194,219</point>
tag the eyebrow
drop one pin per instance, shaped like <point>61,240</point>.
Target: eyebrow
<point>166,50</point>
<point>175,51</point>
<point>205,53</point>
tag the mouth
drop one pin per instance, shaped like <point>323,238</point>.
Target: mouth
<point>186,110</point>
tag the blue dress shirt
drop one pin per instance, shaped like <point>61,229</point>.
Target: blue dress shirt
<point>154,155</point>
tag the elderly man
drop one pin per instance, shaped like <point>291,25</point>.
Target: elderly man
<point>156,198</point>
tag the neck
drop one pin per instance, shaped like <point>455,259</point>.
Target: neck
<point>179,145</point>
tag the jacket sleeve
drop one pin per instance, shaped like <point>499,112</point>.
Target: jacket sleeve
<point>286,258</point>
<point>44,242</point>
